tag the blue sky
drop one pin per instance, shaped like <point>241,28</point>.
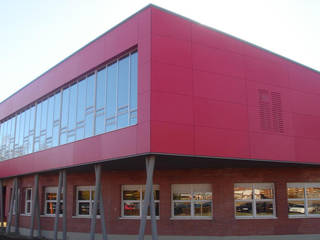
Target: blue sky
<point>37,34</point>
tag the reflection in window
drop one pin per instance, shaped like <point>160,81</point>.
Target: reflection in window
<point>191,201</point>
<point>303,199</point>
<point>254,200</point>
<point>85,201</point>
<point>100,102</point>
<point>132,200</point>
<point>51,201</point>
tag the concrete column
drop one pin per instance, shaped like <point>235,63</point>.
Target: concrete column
<point>148,201</point>
<point>35,205</point>
<point>8,229</point>
<point>17,207</point>
<point>98,201</point>
<point>56,220</point>
<point>64,222</point>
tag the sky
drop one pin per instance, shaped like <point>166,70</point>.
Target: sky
<point>35,35</point>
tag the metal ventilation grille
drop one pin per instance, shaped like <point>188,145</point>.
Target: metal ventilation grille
<point>270,111</point>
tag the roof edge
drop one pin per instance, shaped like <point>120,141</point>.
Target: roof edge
<point>92,41</point>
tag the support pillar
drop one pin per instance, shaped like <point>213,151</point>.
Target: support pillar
<point>35,210</point>
<point>98,199</point>
<point>17,208</point>
<point>56,220</point>
<point>13,193</point>
<point>1,205</point>
<point>64,222</point>
<point>149,202</point>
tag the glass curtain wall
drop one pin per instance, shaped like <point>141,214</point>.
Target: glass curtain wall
<point>103,101</point>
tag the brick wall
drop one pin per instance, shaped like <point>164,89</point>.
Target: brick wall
<point>222,181</point>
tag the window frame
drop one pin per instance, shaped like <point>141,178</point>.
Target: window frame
<point>26,201</point>
<point>140,188</point>
<point>51,190</point>
<point>192,203</point>
<point>91,201</point>
<point>254,201</point>
<point>305,199</point>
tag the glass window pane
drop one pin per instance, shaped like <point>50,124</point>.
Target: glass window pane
<point>314,206</point>
<point>156,194</point>
<point>261,193</point>
<point>203,196</point>
<point>90,91</point>
<point>295,192</point>
<point>123,82</point>
<point>133,80</point>
<point>84,195</point>
<point>131,195</point>
<point>123,120</point>
<point>264,208</point>
<point>111,90</point>
<point>202,209</point>
<point>84,208</point>
<point>50,117</point>
<point>101,89</point>
<point>72,107</point>
<point>157,209</point>
<point>182,209</point>
<point>57,106</point>
<point>243,208</point>
<point>44,112</point>
<point>182,196</point>
<point>51,196</point>
<point>242,193</point>
<point>81,102</point>
<point>28,195</point>
<point>313,192</point>
<point>65,108</point>
<point>99,124</point>
<point>51,208</point>
<point>131,209</point>
<point>89,125</point>
<point>28,209</point>
<point>296,207</point>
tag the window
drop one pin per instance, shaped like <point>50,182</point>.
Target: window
<point>85,200</point>
<point>191,201</point>
<point>99,102</point>
<point>303,199</point>
<point>254,200</point>
<point>28,201</point>
<point>132,200</point>
<point>51,201</point>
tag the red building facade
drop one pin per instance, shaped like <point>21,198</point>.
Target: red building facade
<point>233,129</point>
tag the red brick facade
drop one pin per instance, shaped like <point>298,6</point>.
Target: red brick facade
<point>222,180</point>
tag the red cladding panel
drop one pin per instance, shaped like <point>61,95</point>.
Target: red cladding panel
<point>175,79</point>
<point>217,61</point>
<point>168,107</point>
<point>172,138</point>
<point>171,51</point>
<point>221,143</point>
<point>120,143</point>
<point>214,86</point>
<point>170,25</point>
<point>208,37</point>
<point>272,147</point>
<point>227,90</point>
<point>218,114</point>
<point>266,71</point>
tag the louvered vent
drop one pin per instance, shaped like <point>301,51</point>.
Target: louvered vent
<point>270,111</point>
